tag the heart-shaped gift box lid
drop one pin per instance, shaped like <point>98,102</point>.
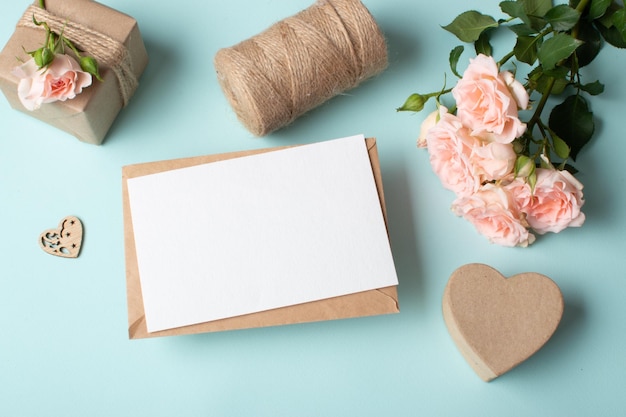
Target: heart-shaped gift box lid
<point>497,322</point>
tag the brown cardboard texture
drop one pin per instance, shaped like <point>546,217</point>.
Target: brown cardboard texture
<point>497,322</point>
<point>367,303</point>
<point>90,115</point>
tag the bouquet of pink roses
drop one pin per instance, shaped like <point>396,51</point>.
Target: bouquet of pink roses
<point>512,177</point>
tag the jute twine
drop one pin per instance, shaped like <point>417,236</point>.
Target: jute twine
<point>107,51</point>
<point>300,62</point>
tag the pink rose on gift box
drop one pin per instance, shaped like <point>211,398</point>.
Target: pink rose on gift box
<point>495,215</point>
<point>63,79</point>
<point>555,203</point>
<point>450,148</point>
<point>488,101</point>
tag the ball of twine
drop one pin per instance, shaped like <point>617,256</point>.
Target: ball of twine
<point>300,62</point>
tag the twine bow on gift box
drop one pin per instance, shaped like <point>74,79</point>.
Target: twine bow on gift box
<point>104,49</point>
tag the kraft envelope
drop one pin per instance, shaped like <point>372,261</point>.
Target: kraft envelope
<point>372,302</point>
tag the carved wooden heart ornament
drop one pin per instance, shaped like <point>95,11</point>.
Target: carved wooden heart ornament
<point>497,322</point>
<point>66,240</point>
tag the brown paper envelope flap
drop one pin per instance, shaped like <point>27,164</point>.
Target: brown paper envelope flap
<point>367,303</point>
<point>373,302</point>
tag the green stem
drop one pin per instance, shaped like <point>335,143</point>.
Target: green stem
<point>545,149</point>
<point>542,103</point>
<point>537,38</point>
<point>506,58</point>
<point>72,47</point>
<point>581,6</point>
<point>42,4</point>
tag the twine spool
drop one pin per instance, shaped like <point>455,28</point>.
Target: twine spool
<point>106,50</point>
<point>300,62</point>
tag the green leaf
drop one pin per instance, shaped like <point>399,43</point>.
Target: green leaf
<point>455,54</point>
<point>607,18</point>
<point>415,102</point>
<point>619,22</point>
<point>561,81</point>
<point>573,122</point>
<point>598,8</point>
<point>588,51</point>
<point>538,23</point>
<point>522,30</point>
<point>540,80</point>
<point>482,45</point>
<point>562,17</point>
<point>612,25</point>
<point>595,88</point>
<point>560,147</point>
<point>526,49</point>
<point>516,9</point>
<point>556,49</point>
<point>537,8</point>
<point>558,72</point>
<point>469,25</point>
<point>612,35</point>
<point>559,85</point>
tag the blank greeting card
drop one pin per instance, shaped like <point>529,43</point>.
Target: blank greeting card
<point>259,232</point>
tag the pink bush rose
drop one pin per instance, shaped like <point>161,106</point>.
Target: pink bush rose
<point>430,121</point>
<point>495,215</point>
<point>516,88</point>
<point>493,160</point>
<point>63,79</point>
<point>555,203</point>
<point>461,161</point>
<point>488,101</point>
<point>450,150</point>
<point>473,155</point>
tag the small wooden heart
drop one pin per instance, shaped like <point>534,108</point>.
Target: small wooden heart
<point>497,322</point>
<point>66,240</point>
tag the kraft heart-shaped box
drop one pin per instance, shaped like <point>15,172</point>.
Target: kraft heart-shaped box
<point>497,322</point>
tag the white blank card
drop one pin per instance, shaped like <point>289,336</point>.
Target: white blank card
<point>259,232</point>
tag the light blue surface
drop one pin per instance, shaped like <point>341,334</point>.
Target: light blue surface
<point>64,349</point>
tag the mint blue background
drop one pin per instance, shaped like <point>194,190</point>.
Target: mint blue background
<point>64,349</point>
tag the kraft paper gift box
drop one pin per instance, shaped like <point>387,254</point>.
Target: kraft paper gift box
<point>121,55</point>
<point>366,303</point>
